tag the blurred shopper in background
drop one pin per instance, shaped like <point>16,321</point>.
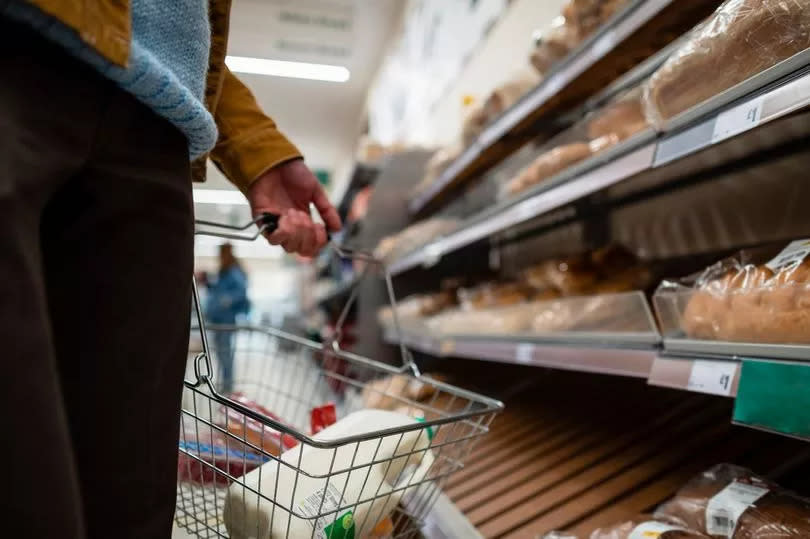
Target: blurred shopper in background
<point>226,301</point>
<point>107,111</point>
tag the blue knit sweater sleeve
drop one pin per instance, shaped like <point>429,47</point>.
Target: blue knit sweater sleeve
<point>168,60</point>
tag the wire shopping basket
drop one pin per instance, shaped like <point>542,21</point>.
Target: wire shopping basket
<point>252,464</point>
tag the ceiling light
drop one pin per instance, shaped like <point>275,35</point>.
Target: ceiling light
<point>281,68</point>
<point>219,196</point>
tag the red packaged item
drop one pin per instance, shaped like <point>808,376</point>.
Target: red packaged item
<point>203,459</point>
<point>254,432</point>
<point>321,417</point>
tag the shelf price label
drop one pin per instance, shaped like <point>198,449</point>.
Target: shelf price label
<point>524,352</point>
<point>737,120</point>
<point>713,377</point>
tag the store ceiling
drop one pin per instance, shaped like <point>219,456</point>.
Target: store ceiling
<point>322,118</point>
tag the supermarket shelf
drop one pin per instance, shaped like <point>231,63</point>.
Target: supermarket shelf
<point>603,51</point>
<point>630,355</point>
<point>695,131</point>
<point>734,350</point>
<point>714,377</point>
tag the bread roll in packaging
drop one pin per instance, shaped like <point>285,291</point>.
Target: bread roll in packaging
<point>645,527</point>
<point>730,501</point>
<point>741,38</point>
<point>758,295</point>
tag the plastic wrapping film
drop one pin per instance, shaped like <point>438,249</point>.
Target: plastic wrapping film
<point>414,236</point>
<point>619,119</point>
<point>596,291</point>
<point>437,164</point>
<point>641,527</point>
<point>504,96</point>
<point>579,19</point>
<point>730,501</point>
<point>741,38</point>
<point>758,295</point>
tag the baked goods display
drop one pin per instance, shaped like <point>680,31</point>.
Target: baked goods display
<point>616,121</point>
<point>578,20</point>
<point>730,501</point>
<point>620,119</point>
<point>742,38</point>
<point>760,295</point>
<point>416,235</point>
<point>548,164</point>
<point>437,163</point>
<point>587,292</point>
<point>501,98</point>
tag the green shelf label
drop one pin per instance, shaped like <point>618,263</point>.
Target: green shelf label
<point>774,395</point>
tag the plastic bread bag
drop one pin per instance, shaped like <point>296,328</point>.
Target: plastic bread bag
<point>437,163</point>
<point>546,165</point>
<point>508,93</point>
<point>493,295</point>
<point>553,44</point>
<point>758,295</point>
<point>622,117</point>
<point>741,38</point>
<point>208,456</point>
<point>412,237</point>
<point>494,321</point>
<point>252,431</point>
<point>645,527</point>
<point>730,501</point>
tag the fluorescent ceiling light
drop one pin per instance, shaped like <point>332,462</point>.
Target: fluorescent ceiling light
<point>281,68</point>
<point>219,196</point>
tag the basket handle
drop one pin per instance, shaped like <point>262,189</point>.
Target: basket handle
<point>267,223</point>
<point>408,364</point>
<point>264,223</point>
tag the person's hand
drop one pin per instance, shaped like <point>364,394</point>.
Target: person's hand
<point>287,190</point>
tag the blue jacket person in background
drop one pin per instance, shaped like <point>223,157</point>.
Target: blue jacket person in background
<point>227,300</point>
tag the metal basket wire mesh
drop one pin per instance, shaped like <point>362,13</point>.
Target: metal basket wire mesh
<point>245,472</point>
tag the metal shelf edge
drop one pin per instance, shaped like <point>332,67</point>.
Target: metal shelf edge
<point>587,54</point>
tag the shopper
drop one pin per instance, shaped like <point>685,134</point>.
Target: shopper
<point>227,299</point>
<point>106,111</point>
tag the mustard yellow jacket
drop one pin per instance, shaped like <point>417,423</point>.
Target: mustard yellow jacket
<point>249,142</point>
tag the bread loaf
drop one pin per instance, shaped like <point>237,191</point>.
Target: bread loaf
<point>741,38</point>
<point>751,302</point>
<point>548,164</point>
<point>622,119</point>
<point>730,501</point>
<point>644,527</point>
<point>553,45</point>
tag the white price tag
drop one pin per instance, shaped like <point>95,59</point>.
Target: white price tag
<point>714,377</point>
<point>738,119</point>
<point>524,353</point>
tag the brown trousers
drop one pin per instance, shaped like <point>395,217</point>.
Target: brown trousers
<point>96,255</point>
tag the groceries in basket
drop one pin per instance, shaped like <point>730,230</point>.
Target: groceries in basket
<point>321,417</point>
<point>758,295</point>
<point>741,39</point>
<point>312,487</point>
<point>253,431</point>
<point>211,459</point>
<point>730,501</point>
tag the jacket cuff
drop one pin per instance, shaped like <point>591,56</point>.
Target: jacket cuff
<point>244,160</point>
